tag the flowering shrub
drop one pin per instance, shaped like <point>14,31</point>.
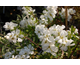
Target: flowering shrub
<point>29,37</point>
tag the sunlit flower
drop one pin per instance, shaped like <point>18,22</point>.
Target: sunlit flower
<point>9,25</point>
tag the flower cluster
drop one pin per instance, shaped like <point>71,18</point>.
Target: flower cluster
<point>14,36</point>
<point>27,10</point>
<point>54,39</point>
<point>24,53</point>
<point>49,13</point>
<point>8,54</point>
<point>69,12</point>
<point>48,41</point>
<point>31,20</point>
<point>52,36</point>
<point>9,25</point>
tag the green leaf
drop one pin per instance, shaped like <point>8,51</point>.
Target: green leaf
<point>72,29</point>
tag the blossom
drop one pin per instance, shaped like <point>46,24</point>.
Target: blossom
<point>14,36</point>
<point>20,40</point>
<point>9,25</point>
<point>69,12</point>
<point>48,14</point>
<point>65,42</point>
<point>23,23</point>
<point>7,55</point>
<point>43,19</point>
<point>29,21</point>
<point>27,10</point>
<point>24,52</point>
<point>13,57</point>
<point>39,29</point>
<point>76,30</point>
<point>56,29</point>
<point>50,48</point>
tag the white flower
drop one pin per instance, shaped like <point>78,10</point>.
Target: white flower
<point>24,56</point>
<point>63,33</point>
<point>48,45</point>
<point>14,36</point>
<point>13,57</point>
<point>76,30</point>
<point>71,11</point>
<point>21,36</point>
<point>30,47</point>
<point>56,30</point>
<point>39,29</point>
<point>26,51</point>
<point>48,14</point>
<point>27,10</point>
<point>65,42</point>
<point>52,49</point>
<point>11,37</point>
<point>43,19</point>
<point>30,21</point>
<point>7,55</point>
<point>16,57</point>
<point>55,34</point>
<point>20,40</point>
<point>9,25</point>
<point>23,23</point>
<point>69,17</point>
<point>14,39</point>
<point>64,48</point>
<point>62,13</point>
<point>45,44</point>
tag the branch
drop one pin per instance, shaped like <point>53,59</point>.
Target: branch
<point>62,54</point>
<point>1,34</point>
<point>33,42</point>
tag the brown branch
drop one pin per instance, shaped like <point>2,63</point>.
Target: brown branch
<point>33,42</point>
<point>62,55</point>
<point>1,34</point>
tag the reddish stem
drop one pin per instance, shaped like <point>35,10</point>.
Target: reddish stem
<point>33,42</point>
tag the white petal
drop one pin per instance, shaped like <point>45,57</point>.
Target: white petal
<point>48,50</point>
<point>45,46</point>
<point>64,48</point>
<point>72,44</point>
<point>54,54</point>
<point>20,40</point>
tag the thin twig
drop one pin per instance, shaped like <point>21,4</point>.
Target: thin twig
<point>62,54</point>
<point>1,34</point>
<point>33,42</point>
<point>28,39</point>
